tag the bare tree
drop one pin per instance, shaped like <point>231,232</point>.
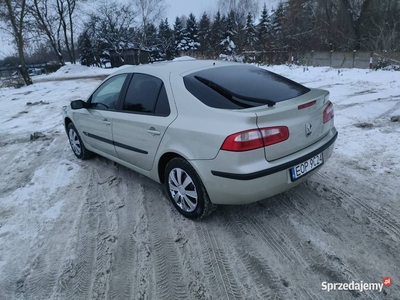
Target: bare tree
<point>240,7</point>
<point>65,10</point>
<point>150,11</point>
<point>110,28</point>
<point>47,22</point>
<point>14,12</point>
<point>380,26</point>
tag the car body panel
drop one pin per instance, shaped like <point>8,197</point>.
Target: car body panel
<point>202,129</point>
<point>137,137</point>
<point>299,121</point>
<point>232,191</point>
<point>95,128</point>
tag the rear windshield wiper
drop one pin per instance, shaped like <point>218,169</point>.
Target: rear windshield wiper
<point>234,97</point>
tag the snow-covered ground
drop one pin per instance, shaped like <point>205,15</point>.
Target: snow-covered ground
<point>73,229</point>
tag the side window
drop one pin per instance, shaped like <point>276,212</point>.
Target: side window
<point>142,94</point>
<point>106,96</point>
<point>162,107</point>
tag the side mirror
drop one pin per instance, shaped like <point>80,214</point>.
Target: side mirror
<point>78,104</point>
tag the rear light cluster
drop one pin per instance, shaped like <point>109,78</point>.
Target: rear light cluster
<point>255,138</point>
<point>328,112</point>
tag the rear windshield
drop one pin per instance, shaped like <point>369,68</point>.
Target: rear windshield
<point>241,86</point>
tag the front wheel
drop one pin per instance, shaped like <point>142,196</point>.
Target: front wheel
<point>76,143</point>
<point>186,191</point>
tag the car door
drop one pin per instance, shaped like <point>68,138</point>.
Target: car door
<point>140,125</point>
<point>96,121</point>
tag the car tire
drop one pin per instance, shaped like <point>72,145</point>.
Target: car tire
<point>186,190</point>
<point>76,143</point>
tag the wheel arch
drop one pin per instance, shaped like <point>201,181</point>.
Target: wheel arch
<point>67,121</point>
<point>163,162</point>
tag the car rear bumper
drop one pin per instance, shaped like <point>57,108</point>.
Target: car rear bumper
<point>265,179</point>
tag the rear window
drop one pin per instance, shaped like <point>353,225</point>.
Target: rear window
<point>241,86</point>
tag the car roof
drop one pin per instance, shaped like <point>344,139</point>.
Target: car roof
<point>180,67</point>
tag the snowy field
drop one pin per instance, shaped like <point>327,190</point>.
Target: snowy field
<point>93,229</point>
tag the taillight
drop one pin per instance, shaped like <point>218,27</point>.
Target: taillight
<point>274,135</point>
<point>255,138</point>
<point>328,112</point>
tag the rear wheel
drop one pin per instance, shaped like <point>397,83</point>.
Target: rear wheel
<point>186,191</point>
<point>76,143</point>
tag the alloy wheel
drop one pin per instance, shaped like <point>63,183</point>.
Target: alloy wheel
<point>183,190</point>
<point>74,141</point>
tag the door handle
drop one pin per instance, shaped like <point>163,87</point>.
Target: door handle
<point>152,131</point>
<point>105,121</point>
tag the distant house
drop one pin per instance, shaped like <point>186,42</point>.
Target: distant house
<point>131,56</point>
<point>33,69</point>
<point>37,69</point>
<point>8,71</point>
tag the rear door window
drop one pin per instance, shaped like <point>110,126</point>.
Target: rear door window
<point>143,94</point>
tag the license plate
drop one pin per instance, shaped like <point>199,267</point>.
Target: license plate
<point>305,167</point>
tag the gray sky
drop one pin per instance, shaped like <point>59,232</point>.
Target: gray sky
<point>177,8</point>
<point>5,46</point>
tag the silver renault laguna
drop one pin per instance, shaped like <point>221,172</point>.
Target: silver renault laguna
<point>213,132</point>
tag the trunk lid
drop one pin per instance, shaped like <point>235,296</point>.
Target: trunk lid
<point>305,125</point>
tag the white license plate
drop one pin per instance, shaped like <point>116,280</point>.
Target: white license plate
<point>305,167</point>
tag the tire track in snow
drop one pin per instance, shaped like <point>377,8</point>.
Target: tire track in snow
<point>171,283</point>
<point>296,200</point>
<point>218,272</point>
<point>384,222</point>
<point>259,273</point>
<point>351,267</point>
<point>382,219</point>
<point>263,277</point>
<point>277,243</point>
<point>322,261</point>
<point>39,276</point>
<point>131,254</point>
<point>296,256</point>
<point>86,276</point>
<point>76,278</point>
<point>24,160</point>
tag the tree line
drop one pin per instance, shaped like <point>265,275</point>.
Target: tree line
<point>238,28</point>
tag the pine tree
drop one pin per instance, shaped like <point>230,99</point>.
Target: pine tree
<point>205,35</point>
<point>240,36</point>
<point>192,36</point>
<point>85,48</point>
<point>165,40</point>
<point>151,36</point>
<point>250,34</point>
<point>227,43</point>
<point>180,41</point>
<point>264,29</point>
<point>217,34</point>
<point>150,41</point>
<point>277,28</point>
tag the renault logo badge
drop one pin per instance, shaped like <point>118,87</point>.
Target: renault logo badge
<point>308,129</point>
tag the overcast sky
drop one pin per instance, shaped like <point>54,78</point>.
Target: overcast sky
<point>5,46</point>
<point>177,8</point>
